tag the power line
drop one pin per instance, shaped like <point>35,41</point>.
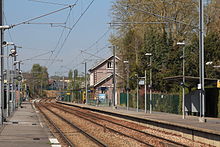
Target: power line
<point>60,60</point>
<point>104,34</point>
<point>48,2</point>
<point>37,56</point>
<point>36,49</point>
<point>91,54</point>
<point>45,23</point>
<point>157,15</point>
<point>59,40</point>
<point>9,33</point>
<point>73,28</point>
<point>38,17</point>
<point>93,44</point>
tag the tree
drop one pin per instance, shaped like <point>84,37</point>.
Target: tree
<point>75,73</point>
<point>155,27</point>
<point>39,80</point>
<point>70,77</point>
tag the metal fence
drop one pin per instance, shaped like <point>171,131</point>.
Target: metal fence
<point>160,102</point>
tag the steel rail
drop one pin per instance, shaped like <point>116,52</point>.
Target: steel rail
<point>64,137</point>
<point>86,114</point>
<point>98,142</point>
<point>108,128</point>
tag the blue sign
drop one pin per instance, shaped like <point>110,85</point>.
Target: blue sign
<point>102,97</point>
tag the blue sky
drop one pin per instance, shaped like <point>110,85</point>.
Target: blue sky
<point>38,39</point>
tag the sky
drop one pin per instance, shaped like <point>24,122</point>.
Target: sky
<point>50,45</point>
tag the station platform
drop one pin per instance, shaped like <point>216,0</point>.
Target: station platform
<point>24,129</point>
<point>189,127</point>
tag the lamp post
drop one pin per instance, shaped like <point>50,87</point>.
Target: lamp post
<point>150,86</point>
<point>14,55</point>
<point>201,85</point>
<point>6,44</point>
<point>127,85</point>
<point>19,78</point>
<point>183,82</point>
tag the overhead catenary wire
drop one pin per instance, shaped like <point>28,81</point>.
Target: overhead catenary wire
<point>60,60</point>
<point>48,2</point>
<point>100,38</point>
<point>159,16</point>
<point>93,44</point>
<point>8,30</point>
<point>73,26</point>
<point>36,49</point>
<point>38,17</point>
<point>37,56</point>
<point>35,18</point>
<point>91,54</point>
<point>59,40</point>
<point>45,23</point>
<point>89,58</point>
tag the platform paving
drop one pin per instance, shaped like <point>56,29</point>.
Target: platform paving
<point>25,129</point>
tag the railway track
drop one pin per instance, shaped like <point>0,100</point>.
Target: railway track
<point>91,117</point>
<point>120,128</point>
<point>109,124</point>
<point>61,134</point>
<point>66,138</point>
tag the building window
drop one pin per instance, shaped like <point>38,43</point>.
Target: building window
<point>109,64</point>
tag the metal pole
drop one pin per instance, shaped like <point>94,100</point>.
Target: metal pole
<point>114,77</point>
<point>8,85</point>
<point>63,84</point>
<point>19,84</point>
<point>201,61</point>
<point>2,66</point>
<point>137,94</point>
<point>183,104</point>
<point>14,84</point>
<point>86,88</point>
<point>127,86</point>
<point>145,91</point>
<point>150,84</point>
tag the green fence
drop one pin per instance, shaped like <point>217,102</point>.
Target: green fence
<point>160,102</point>
<point>96,102</point>
<point>78,97</point>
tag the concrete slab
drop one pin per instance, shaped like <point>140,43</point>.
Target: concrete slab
<point>24,129</point>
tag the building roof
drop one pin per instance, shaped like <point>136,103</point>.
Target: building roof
<point>106,79</point>
<point>102,62</point>
<point>103,80</point>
